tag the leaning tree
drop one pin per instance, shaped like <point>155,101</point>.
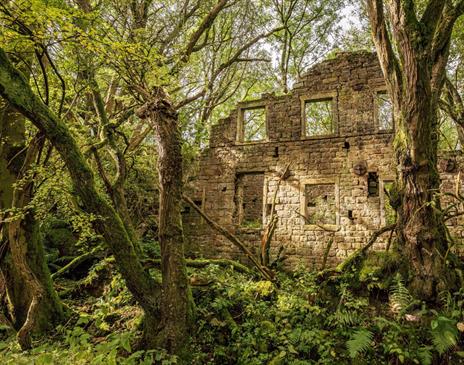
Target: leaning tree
<point>412,41</point>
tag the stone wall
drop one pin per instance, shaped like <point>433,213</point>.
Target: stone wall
<point>332,170</point>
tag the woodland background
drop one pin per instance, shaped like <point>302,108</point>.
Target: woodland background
<point>105,107</point>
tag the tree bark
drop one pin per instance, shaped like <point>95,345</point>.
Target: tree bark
<point>23,262</point>
<point>414,80</point>
<point>421,229</point>
<point>176,303</point>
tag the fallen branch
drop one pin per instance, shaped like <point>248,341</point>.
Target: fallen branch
<point>358,253</point>
<point>74,263</point>
<point>199,263</point>
<point>363,250</point>
<point>265,272</point>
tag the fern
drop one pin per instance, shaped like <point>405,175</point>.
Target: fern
<point>346,314</point>
<point>400,298</point>
<point>444,333</point>
<point>359,342</point>
<point>425,355</point>
<point>345,317</point>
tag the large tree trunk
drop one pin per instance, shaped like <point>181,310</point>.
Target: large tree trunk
<point>413,53</point>
<point>176,302</point>
<point>15,88</point>
<point>23,263</point>
<point>421,230</point>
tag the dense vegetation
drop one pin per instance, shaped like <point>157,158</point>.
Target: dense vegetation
<point>241,319</point>
<point>105,106</point>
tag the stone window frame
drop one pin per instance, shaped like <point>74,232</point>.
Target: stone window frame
<point>382,180</point>
<point>380,90</point>
<point>320,181</point>
<point>255,104</point>
<point>315,97</point>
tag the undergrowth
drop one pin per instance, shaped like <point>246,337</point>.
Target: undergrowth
<point>242,320</point>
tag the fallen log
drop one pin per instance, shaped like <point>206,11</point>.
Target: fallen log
<point>355,255</point>
<point>74,263</point>
<point>199,263</point>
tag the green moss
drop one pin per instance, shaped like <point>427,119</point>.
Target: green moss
<point>402,139</point>
<point>378,267</point>
<point>251,224</point>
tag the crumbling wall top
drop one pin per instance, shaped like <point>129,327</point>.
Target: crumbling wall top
<point>337,97</point>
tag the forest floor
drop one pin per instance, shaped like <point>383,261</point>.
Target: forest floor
<point>352,318</point>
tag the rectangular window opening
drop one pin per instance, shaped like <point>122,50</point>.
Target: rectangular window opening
<point>320,204</point>
<point>268,209</point>
<point>254,124</point>
<point>318,117</point>
<point>190,216</point>
<point>384,107</point>
<point>372,184</point>
<point>249,199</point>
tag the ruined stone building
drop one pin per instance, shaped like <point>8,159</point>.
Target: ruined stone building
<point>335,129</point>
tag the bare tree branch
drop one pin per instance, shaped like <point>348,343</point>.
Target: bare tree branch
<point>203,27</point>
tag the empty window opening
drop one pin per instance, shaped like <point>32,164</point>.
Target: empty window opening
<point>350,215</point>
<point>320,204</point>
<point>318,117</point>
<point>384,109</point>
<point>187,209</point>
<point>190,216</point>
<point>372,184</point>
<point>254,124</point>
<point>268,209</point>
<point>249,199</point>
<point>276,152</point>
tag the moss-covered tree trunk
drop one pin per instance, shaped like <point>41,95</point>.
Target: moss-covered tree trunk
<point>176,302</point>
<point>27,256</point>
<point>23,264</point>
<point>16,90</point>
<point>413,53</point>
<point>420,229</point>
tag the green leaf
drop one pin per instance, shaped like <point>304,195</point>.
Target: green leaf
<point>359,342</point>
<point>444,334</point>
<point>425,355</point>
<point>125,343</point>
